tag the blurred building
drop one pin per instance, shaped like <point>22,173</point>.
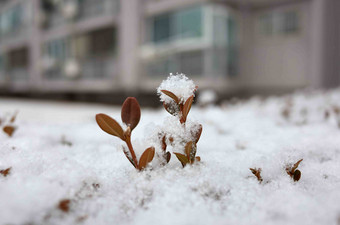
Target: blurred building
<point>110,46</point>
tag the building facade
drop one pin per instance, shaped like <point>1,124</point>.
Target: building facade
<point>107,46</point>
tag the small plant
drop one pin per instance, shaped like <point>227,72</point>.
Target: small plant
<point>257,173</point>
<point>64,205</point>
<point>177,94</point>
<point>293,172</point>
<point>5,172</point>
<point>130,116</point>
<point>9,128</point>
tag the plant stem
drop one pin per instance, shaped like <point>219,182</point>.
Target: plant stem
<point>132,152</point>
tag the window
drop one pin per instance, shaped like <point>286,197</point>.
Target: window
<point>279,23</point>
<point>188,23</point>
<point>161,28</point>
<point>182,24</point>
<point>266,22</point>
<point>290,22</point>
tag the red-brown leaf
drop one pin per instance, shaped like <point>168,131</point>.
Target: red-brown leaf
<point>146,157</point>
<point>188,149</point>
<point>171,95</point>
<point>64,205</point>
<point>164,143</point>
<point>297,175</point>
<point>168,157</point>
<point>109,125</point>
<point>187,107</point>
<point>197,135</point>
<point>198,159</point>
<point>9,130</point>
<point>12,120</point>
<point>5,172</point>
<point>172,108</point>
<point>182,158</point>
<point>295,166</point>
<point>131,112</point>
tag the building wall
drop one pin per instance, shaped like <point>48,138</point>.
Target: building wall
<point>267,62</point>
<point>276,61</point>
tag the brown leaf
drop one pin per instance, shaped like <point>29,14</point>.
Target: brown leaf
<point>109,125</point>
<point>172,108</point>
<point>131,112</point>
<point>164,143</point>
<point>297,175</point>
<point>187,107</point>
<point>182,158</point>
<point>146,157</point>
<point>168,157</point>
<point>295,166</point>
<point>5,172</point>
<point>188,150</point>
<point>257,173</point>
<point>12,120</point>
<point>9,130</point>
<point>198,159</point>
<point>171,95</point>
<point>197,135</point>
<point>64,205</point>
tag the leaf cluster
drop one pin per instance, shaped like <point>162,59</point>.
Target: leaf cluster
<point>180,108</point>
<point>130,115</point>
<point>293,172</point>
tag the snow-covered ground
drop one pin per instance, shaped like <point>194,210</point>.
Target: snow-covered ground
<point>59,153</point>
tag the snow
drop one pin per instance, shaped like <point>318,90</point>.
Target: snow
<point>104,188</point>
<point>179,84</point>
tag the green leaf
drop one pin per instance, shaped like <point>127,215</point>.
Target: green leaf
<point>131,112</point>
<point>146,157</point>
<point>110,126</point>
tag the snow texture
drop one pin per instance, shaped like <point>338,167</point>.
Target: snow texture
<point>178,84</point>
<point>59,152</point>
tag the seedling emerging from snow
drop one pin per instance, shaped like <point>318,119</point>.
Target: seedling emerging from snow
<point>177,94</point>
<point>257,173</point>
<point>9,128</point>
<point>293,172</point>
<point>130,116</point>
<point>64,205</point>
<point>5,172</point>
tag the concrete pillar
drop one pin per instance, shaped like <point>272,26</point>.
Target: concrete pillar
<point>129,38</point>
<point>317,39</point>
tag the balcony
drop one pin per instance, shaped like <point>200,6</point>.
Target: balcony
<point>89,68</point>
<point>76,11</point>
